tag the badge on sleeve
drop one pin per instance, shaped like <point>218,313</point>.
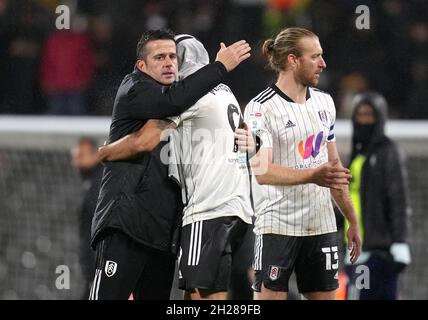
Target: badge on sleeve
<point>324,117</point>
<point>255,120</point>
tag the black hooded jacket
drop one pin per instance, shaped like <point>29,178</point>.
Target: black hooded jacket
<point>137,196</point>
<point>384,194</point>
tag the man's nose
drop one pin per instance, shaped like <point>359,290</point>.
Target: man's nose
<point>168,61</point>
<point>323,64</point>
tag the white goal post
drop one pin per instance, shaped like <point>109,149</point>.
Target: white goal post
<point>62,132</point>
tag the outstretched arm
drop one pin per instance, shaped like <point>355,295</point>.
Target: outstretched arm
<point>149,100</point>
<point>344,203</point>
<point>327,175</point>
<point>144,140</point>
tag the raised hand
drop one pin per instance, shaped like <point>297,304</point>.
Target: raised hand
<point>234,54</point>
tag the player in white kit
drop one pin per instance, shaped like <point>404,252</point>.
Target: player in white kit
<point>215,179</point>
<point>297,170</point>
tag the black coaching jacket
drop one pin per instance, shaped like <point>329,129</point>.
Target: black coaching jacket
<point>136,195</point>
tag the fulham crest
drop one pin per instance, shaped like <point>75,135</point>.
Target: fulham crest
<point>273,273</point>
<point>110,268</point>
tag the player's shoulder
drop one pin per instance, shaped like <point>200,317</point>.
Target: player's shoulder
<point>137,82</point>
<point>221,88</point>
<point>221,94</point>
<point>262,98</point>
<point>322,96</point>
<point>320,93</point>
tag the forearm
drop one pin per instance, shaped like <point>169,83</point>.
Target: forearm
<point>280,175</point>
<point>328,175</point>
<point>144,140</point>
<point>353,233</point>
<point>152,101</point>
<point>344,203</point>
<point>270,173</point>
<point>341,194</point>
<point>124,148</point>
<point>185,93</point>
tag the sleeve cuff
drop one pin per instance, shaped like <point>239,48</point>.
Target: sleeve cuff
<point>221,68</point>
<point>400,252</point>
<point>175,119</point>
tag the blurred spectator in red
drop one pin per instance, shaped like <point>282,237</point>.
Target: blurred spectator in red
<point>67,68</point>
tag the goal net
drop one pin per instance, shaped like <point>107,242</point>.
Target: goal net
<point>40,193</point>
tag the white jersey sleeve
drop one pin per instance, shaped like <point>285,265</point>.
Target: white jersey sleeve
<point>332,119</point>
<point>257,118</point>
<point>189,114</point>
<point>214,179</point>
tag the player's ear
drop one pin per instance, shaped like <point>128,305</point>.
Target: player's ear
<point>292,59</point>
<point>141,65</point>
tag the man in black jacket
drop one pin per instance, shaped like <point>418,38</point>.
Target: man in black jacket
<point>137,219</point>
<point>379,194</point>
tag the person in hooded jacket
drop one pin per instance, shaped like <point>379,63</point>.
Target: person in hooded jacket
<point>379,194</point>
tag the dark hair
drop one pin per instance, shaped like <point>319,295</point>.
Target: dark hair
<point>276,50</point>
<point>151,35</point>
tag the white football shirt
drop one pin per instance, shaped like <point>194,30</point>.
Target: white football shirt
<point>214,174</point>
<point>298,135</point>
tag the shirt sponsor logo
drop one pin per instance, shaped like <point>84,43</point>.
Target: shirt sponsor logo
<point>310,147</point>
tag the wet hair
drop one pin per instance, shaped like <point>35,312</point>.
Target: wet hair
<point>276,50</point>
<point>151,35</point>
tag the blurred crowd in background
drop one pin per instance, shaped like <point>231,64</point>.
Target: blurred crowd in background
<point>44,70</point>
